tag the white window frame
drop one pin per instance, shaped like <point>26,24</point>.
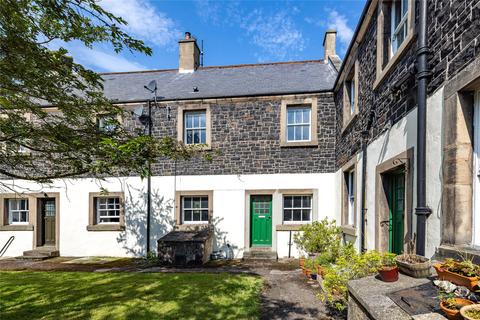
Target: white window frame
<point>476,173</point>
<point>18,211</point>
<point>301,124</point>
<point>117,209</point>
<point>402,25</point>
<point>351,180</point>
<point>351,84</point>
<point>200,128</point>
<point>297,208</point>
<point>195,209</point>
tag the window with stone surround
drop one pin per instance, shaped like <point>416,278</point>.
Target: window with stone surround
<point>349,196</point>
<point>298,125</point>
<point>395,30</point>
<point>194,124</point>
<point>193,207</point>
<point>106,211</point>
<point>350,95</point>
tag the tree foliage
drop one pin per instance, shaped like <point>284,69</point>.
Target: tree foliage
<point>39,143</point>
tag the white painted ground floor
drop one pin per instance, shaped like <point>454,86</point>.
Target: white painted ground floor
<point>86,217</point>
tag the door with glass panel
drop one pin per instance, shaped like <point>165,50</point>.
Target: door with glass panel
<point>261,217</point>
<point>48,220</point>
<point>396,203</point>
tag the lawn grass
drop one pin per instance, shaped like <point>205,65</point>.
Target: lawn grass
<point>87,295</point>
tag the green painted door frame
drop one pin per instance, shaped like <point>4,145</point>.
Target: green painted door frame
<point>261,220</point>
<point>396,201</point>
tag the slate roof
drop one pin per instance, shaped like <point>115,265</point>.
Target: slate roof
<point>224,81</point>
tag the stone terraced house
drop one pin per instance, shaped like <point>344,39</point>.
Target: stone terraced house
<point>293,142</point>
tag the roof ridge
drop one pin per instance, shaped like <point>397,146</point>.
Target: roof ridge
<point>218,67</point>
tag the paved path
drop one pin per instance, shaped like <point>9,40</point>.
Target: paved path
<point>288,295</point>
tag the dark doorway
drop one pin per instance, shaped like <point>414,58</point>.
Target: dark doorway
<point>48,222</point>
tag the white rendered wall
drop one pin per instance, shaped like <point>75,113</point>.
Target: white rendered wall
<point>399,138</point>
<point>229,199</point>
<point>23,241</point>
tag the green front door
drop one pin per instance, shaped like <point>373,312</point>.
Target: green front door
<point>261,218</point>
<point>397,212</point>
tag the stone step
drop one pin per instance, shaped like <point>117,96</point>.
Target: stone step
<point>33,258</point>
<point>259,255</point>
<point>40,253</point>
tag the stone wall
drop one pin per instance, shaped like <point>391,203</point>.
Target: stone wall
<point>245,137</point>
<point>454,40</point>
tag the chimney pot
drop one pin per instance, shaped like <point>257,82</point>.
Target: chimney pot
<point>188,35</point>
<point>329,43</point>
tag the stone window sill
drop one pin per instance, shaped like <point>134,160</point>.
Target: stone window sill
<point>294,144</point>
<point>289,227</point>
<point>105,227</point>
<point>17,227</point>
<point>349,122</point>
<point>350,230</point>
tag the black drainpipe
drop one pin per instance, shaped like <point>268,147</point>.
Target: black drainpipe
<point>364,179</point>
<point>422,211</point>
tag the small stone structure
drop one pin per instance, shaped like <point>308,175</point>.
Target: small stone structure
<point>186,246</point>
<point>368,298</point>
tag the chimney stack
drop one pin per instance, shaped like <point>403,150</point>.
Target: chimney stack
<point>189,54</point>
<point>329,43</point>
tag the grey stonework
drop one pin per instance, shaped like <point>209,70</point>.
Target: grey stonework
<point>454,40</point>
<point>245,137</point>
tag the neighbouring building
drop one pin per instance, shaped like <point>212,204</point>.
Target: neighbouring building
<point>291,141</point>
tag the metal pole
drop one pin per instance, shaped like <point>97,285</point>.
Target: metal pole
<point>422,211</point>
<point>149,179</point>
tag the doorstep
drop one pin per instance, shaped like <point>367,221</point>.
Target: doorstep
<point>368,299</point>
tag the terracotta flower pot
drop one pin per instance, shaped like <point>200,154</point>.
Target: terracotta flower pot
<point>388,274</point>
<point>320,270</point>
<point>455,278</point>
<point>464,309</point>
<point>308,272</point>
<point>304,270</point>
<point>301,262</point>
<point>454,314</point>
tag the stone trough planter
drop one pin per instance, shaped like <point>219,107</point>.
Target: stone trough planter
<point>420,269</point>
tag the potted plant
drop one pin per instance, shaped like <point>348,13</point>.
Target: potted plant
<point>471,312</point>
<point>451,305</point>
<point>412,264</point>
<point>462,273</point>
<point>389,270</point>
<point>301,261</point>
<point>309,267</point>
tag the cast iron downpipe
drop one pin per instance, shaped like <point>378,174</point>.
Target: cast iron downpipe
<point>422,211</point>
<point>149,178</point>
<point>364,179</point>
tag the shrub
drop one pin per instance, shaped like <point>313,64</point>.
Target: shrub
<point>348,266</point>
<point>322,237</point>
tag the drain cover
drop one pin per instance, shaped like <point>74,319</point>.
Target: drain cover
<point>417,300</point>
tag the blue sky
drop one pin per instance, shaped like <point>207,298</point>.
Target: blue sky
<point>233,32</point>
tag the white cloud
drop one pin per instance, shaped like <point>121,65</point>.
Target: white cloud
<point>144,21</point>
<point>101,61</point>
<point>97,58</point>
<point>339,22</point>
<point>276,34</point>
